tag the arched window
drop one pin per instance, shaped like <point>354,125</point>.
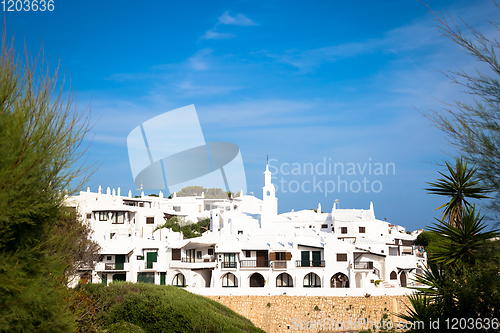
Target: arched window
<point>268,193</point>
<point>312,280</point>
<point>179,280</point>
<point>229,280</point>
<point>393,276</point>
<point>284,280</point>
<point>256,280</point>
<point>339,280</point>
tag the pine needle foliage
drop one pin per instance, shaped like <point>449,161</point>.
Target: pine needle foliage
<point>41,244</point>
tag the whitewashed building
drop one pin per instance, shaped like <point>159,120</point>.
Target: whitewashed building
<point>249,248</point>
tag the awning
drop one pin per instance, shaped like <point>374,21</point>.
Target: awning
<point>312,246</point>
<point>405,269</point>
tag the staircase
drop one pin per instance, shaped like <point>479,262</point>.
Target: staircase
<point>385,284</point>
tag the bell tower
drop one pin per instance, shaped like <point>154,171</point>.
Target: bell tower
<point>270,202</point>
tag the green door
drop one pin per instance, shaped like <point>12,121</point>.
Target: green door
<point>146,277</point>
<point>305,259</point>
<point>162,278</point>
<point>151,257</point>
<point>105,279</point>
<point>119,260</point>
<point>119,277</point>
<point>316,258</point>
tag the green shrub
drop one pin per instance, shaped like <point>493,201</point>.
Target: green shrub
<point>158,309</point>
<point>124,327</point>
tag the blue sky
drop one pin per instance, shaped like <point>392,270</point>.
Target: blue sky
<point>299,81</point>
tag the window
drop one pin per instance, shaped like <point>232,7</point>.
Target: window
<point>140,257</point>
<point>179,280</point>
<point>119,218</point>
<point>324,226</point>
<point>176,254</point>
<point>240,232</point>
<point>89,216</point>
<point>362,230</point>
<point>312,280</point>
<point>229,280</point>
<point>284,280</point>
<point>108,258</point>
<point>150,220</point>
<point>198,254</point>
<point>248,253</point>
<point>343,230</point>
<point>229,260</point>
<point>393,276</point>
<point>341,256</point>
<point>199,209</point>
<point>207,206</point>
<point>103,216</point>
<point>210,252</point>
<point>177,208</point>
<point>280,255</point>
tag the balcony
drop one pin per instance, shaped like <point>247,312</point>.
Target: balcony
<point>112,266</point>
<point>149,265</point>
<point>228,264</point>
<point>307,263</point>
<point>363,265</point>
<point>254,263</point>
<point>279,264</point>
<point>193,260</point>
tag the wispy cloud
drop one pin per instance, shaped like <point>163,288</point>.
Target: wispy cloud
<point>227,19</point>
<point>418,35</point>
<point>191,89</point>
<point>199,61</point>
<point>239,19</point>
<point>213,34</point>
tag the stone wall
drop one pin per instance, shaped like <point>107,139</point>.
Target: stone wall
<point>315,313</point>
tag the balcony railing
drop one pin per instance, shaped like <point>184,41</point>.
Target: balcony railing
<point>363,265</point>
<point>307,263</point>
<point>254,263</point>
<point>229,264</point>
<point>279,264</point>
<point>114,267</point>
<point>193,260</point>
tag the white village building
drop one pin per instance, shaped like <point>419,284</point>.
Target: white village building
<point>249,247</point>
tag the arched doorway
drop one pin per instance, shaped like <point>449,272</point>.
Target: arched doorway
<point>339,280</point>
<point>284,280</point>
<point>229,280</point>
<point>359,283</point>
<point>179,280</point>
<point>256,280</point>
<point>402,279</point>
<point>312,280</point>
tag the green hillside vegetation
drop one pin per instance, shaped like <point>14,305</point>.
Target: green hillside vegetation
<point>189,231</point>
<point>128,307</point>
<point>210,193</point>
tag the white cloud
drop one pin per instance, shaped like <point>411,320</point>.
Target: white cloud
<point>213,34</point>
<point>199,60</point>
<point>239,19</point>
